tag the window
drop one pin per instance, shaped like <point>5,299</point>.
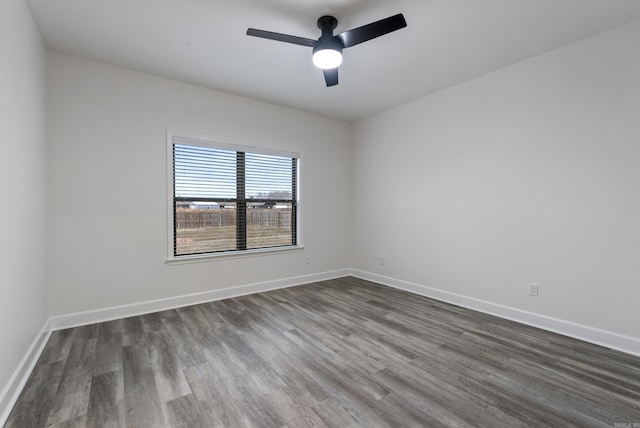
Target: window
<point>230,198</point>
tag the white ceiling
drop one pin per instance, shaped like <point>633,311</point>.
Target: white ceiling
<point>203,42</point>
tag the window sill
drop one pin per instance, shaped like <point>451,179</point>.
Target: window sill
<point>199,258</point>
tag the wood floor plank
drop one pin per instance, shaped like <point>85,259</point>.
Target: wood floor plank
<point>38,396</point>
<point>167,367</point>
<point>291,410</point>
<point>108,348</point>
<point>72,394</point>
<point>141,398</point>
<point>151,322</point>
<point>132,331</point>
<point>106,400</point>
<point>58,346</point>
<point>78,422</point>
<point>183,412</point>
<point>333,414</point>
<point>338,353</point>
<point>186,347</point>
<point>215,399</point>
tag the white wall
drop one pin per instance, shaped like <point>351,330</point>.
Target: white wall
<point>23,301</point>
<point>107,185</point>
<point>527,174</point>
<point>524,175</point>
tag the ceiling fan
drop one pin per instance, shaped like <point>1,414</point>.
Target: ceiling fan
<point>327,50</point>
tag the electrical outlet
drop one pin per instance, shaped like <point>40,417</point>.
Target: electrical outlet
<point>533,289</point>
<point>380,260</point>
<point>307,260</point>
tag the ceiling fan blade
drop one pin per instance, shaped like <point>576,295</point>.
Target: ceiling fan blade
<point>371,31</point>
<point>281,37</point>
<point>331,76</point>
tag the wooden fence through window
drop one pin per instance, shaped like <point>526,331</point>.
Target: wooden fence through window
<point>263,217</point>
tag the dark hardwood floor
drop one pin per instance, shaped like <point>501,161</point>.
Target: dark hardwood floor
<point>338,353</point>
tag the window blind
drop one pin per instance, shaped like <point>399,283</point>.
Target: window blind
<point>232,198</point>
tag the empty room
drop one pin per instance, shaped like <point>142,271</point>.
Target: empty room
<point>337,213</point>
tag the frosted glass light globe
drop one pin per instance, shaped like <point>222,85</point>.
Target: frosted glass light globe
<point>327,59</point>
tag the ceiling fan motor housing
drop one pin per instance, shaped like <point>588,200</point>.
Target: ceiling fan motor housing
<point>328,43</point>
<point>327,24</point>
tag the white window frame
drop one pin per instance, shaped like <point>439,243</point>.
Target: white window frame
<point>187,138</point>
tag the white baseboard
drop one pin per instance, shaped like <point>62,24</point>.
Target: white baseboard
<point>115,312</point>
<point>619,342</point>
<point>16,383</point>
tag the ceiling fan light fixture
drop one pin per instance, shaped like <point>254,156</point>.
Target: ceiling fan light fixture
<point>327,50</point>
<point>327,58</point>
